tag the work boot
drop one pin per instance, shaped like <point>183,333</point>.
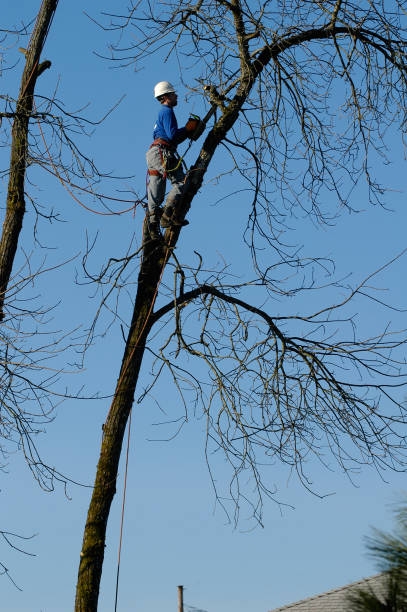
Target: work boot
<point>154,230</point>
<point>169,219</point>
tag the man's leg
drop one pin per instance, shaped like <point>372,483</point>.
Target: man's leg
<point>177,178</point>
<point>155,191</point>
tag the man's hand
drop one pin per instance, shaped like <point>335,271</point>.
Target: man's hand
<point>194,127</point>
<point>199,130</point>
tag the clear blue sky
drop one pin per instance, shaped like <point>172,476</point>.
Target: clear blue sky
<point>174,532</point>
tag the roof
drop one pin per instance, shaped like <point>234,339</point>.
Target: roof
<point>335,600</point>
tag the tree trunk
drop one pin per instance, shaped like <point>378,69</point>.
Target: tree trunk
<point>15,207</point>
<point>92,554</point>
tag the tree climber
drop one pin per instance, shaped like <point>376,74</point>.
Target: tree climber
<point>163,161</point>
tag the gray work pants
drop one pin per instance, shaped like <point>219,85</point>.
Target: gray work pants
<point>156,185</point>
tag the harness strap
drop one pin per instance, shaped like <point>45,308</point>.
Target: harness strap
<point>153,172</point>
<point>162,143</point>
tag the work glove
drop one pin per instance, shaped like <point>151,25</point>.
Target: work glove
<point>199,130</point>
<point>191,125</point>
<point>194,127</point>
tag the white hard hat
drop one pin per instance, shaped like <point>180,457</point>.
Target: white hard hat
<point>163,87</point>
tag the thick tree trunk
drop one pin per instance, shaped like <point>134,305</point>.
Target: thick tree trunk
<point>15,207</point>
<point>92,554</point>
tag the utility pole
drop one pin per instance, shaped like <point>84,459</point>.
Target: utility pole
<point>180,598</point>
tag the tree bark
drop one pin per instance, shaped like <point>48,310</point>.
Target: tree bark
<point>15,207</point>
<point>92,553</point>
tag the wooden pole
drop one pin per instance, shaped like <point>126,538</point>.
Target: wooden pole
<point>180,598</point>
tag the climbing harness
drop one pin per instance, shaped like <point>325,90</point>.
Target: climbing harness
<point>163,146</point>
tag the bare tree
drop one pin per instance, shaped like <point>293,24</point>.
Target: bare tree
<point>25,380</point>
<point>298,88</point>
<point>40,133</point>
<point>44,134</point>
<point>19,147</point>
<point>32,385</point>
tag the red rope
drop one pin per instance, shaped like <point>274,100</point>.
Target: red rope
<point>128,437</point>
<point>122,516</point>
<point>67,181</point>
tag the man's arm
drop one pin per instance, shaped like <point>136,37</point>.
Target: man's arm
<point>175,134</point>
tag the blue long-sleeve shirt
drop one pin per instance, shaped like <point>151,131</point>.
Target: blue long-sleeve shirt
<point>167,128</point>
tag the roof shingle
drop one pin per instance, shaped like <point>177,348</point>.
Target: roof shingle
<point>336,599</point>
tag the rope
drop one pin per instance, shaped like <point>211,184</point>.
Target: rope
<point>103,196</point>
<point>36,25</point>
<point>42,44</point>
<point>67,181</point>
<point>128,436</point>
<point>122,516</point>
<point>56,173</point>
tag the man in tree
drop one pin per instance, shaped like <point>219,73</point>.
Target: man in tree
<point>163,161</point>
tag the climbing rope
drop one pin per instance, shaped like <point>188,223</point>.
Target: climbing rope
<point>122,515</point>
<point>129,424</point>
<point>65,182</point>
<point>35,28</point>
